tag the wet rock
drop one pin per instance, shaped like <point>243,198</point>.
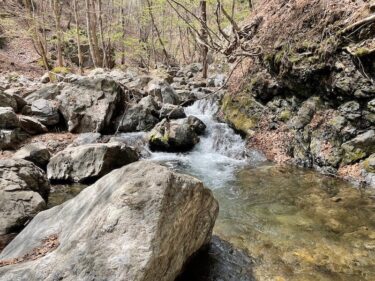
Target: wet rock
<point>219,261</point>
<point>34,152</point>
<point>7,100</point>
<point>89,162</point>
<point>89,104</point>
<point>8,118</point>
<point>197,124</point>
<point>351,110</point>
<point>174,135</point>
<point>24,189</point>
<point>172,111</point>
<point>120,229</point>
<point>31,125</point>
<point>45,111</point>
<point>359,147</point>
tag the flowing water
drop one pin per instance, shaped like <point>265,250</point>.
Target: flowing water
<point>295,224</point>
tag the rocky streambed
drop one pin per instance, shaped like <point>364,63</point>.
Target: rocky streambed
<point>116,171</point>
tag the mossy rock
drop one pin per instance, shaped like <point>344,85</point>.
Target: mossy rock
<point>242,112</point>
<point>369,164</point>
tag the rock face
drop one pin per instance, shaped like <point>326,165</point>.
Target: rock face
<point>140,223</point>
<point>24,191</point>
<point>176,135</point>
<point>89,104</point>
<point>36,153</point>
<point>89,162</point>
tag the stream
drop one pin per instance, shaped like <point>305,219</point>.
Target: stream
<point>288,223</point>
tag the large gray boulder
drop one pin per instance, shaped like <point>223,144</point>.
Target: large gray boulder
<point>45,111</point>
<point>89,104</point>
<point>139,117</point>
<point>176,135</point>
<point>139,223</point>
<point>37,153</point>
<point>24,190</point>
<point>162,92</point>
<point>8,118</point>
<point>89,162</point>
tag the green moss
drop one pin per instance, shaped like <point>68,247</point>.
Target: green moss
<point>61,70</point>
<point>285,115</point>
<point>361,52</point>
<point>234,111</point>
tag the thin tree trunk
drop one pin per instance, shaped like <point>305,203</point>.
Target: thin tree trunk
<point>203,11</point>
<point>91,30</point>
<point>104,56</point>
<point>57,12</point>
<point>80,56</point>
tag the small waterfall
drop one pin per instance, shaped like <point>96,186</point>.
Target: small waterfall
<point>217,156</point>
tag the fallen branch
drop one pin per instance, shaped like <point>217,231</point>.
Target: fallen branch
<point>368,20</point>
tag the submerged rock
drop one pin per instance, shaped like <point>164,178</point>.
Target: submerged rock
<point>24,190</point>
<point>176,135</point>
<point>89,162</point>
<point>140,222</point>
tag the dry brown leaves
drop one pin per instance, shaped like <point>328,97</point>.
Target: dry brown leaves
<point>49,244</point>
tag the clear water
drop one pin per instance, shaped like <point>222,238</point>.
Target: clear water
<point>295,224</point>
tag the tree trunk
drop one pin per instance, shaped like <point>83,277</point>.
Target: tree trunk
<point>91,31</point>
<point>203,11</point>
<point>80,56</point>
<point>57,12</point>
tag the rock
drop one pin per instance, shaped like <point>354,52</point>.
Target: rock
<point>371,106</point>
<point>140,222</point>
<point>359,147</point>
<point>89,162</point>
<point>149,103</point>
<point>217,80</point>
<point>34,152</point>
<point>175,135</point>
<point>89,104</point>
<point>45,78</point>
<point>8,118</point>
<point>172,111</point>
<point>369,164</point>
<point>351,110</point>
<point>48,92</point>
<point>7,100</point>
<point>197,124</point>
<point>15,93</point>
<point>162,92</point>
<point>305,113</point>
<point>45,111</point>
<point>24,190</point>
<point>31,125</point>
<point>85,138</point>
<point>137,118</point>
<point>9,139</point>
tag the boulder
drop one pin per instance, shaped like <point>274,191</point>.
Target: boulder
<point>162,92</point>
<point>306,113</point>
<point>9,139</point>
<point>172,111</point>
<point>16,94</point>
<point>7,100</point>
<point>89,104</point>
<point>31,125</point>
<point>8,118</point>
<point>369,164</point>
<point>85,138</point>
<point>174,135</point>
<point>89,162</point>
<point>49,92</point>
<point>351,110</point>
<point>140,222</point>
<point>45,111</point>
<point>197,124</point>
<point>37,153</point>
<point>24,190</point>
<point>137,118</point>
<point>359,147</point>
